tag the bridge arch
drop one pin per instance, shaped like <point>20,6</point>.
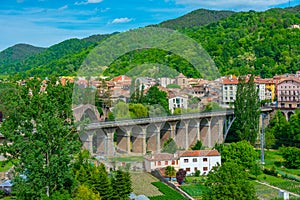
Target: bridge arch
<point>84,111</point>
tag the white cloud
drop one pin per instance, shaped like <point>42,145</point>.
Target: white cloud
<point>88,1</point>
<point>121,20</point>
<point>232,4</point>
<point>94,1</point>
<point>63,8</point>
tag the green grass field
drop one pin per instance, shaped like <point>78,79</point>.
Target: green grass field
<point>273,158</point>
<point>195,191</point>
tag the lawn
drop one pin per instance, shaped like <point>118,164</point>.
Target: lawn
<point>195,191</point>
<point>168,193</point>
<point>141,182</point>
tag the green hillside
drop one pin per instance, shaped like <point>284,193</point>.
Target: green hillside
<point>60,59</point>
<point>198,17</point>
<point>259,42</point>
<point>239,43</point>
<point>246,42</point>
<point>18,52</point>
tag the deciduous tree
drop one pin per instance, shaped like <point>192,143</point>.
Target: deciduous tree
<point>41,135</point>
<point>229,181</point>
<point>170,171</point>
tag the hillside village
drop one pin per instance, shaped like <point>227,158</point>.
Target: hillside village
<point>134,133</point>
<point>281,91</point>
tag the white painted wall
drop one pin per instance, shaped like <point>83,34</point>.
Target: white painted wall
<point>199,163</point>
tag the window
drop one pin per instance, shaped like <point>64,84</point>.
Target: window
<point>166,162</point>
<point>195,169</point>
<point>205,169</point>
<point>159,163</point>
<point>194,159</point>
<point>204,159</point>
<point>188,169</point>
<point>186,160</point>
<point>173,162</point>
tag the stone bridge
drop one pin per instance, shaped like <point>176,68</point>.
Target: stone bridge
<point>138,136</point>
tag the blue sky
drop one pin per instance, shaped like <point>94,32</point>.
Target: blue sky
<point>47,22</point>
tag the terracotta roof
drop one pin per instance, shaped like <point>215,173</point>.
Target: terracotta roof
<point>121,78</point>
<point>199,153</point>
<point>289,79</point>
<point>228,81</point>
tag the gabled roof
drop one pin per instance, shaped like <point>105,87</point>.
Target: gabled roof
<point>199,153</point>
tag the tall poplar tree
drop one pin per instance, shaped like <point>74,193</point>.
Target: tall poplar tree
<point>41,137</point>
<point>246,110</point>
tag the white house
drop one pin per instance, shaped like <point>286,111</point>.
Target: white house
<point>178,102</point>
<point>202,160</point>
<point>190,161</point>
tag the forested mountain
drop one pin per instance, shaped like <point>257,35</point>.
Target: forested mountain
<point>198,17</point>
<point>260,42</point>
<point>18,52</point>
<point>60,59</point>
<point>247,42</point>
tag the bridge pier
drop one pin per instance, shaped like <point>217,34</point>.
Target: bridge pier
<point>123,139</point>
<point>109,143</point>
<point>193,132</point>
<point>216,130</point>
<point>87,140</point>
<point>100,141</point>
<point>139,144</point>
<point>173,129</point>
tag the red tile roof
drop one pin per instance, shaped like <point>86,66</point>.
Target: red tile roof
<point>121,78</point>
<point>228,81</point>
<point>199,153</point>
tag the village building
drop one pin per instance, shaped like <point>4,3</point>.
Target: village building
<point>181,80</point>
<point>288,93</point>
<point>202,160</point>
<point>161,160</point>
<point>177,100</point>
<point>165,81</point>
<point>190,161</point>
<point>228,89</point>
